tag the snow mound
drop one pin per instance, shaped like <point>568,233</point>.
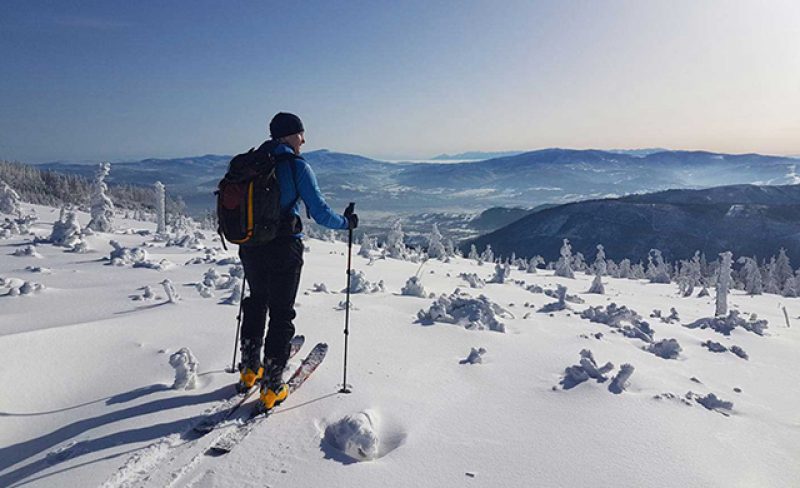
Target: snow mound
<point>460,308</point>
<point>614,316</point>
<point>414,288</point>
<point>363,436</point>
<point>473,280</point>
<point>359,284</point>
<point>27,251</point>
<point>666,348</point>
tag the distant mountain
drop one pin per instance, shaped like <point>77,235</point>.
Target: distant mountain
<point>638,152</point>
<point>745,219</point>
<point>523,180</point>
<point>497,217</point>
<point>475,155</point>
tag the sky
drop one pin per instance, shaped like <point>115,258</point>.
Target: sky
<point>121,80</point>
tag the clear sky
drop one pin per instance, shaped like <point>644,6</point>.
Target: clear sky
<point>112,79</point>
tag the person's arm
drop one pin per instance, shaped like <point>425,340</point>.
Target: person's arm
<point>308,190</point>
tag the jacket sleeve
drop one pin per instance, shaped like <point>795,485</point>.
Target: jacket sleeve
<point>308,190</point>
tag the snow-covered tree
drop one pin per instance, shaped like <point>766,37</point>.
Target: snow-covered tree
<point>751,276</point>
<point>564,265</point>
<point>657,269</point>
<point>578,262</point>
<point>161,210</point>
<point>534,263</point>
<point>624,270</point>
<point>597,285</point>
<point>9,200</point>
<point>473,253</point>
<point>436,248</point>
<point>724,282</point>
<point>487,256</point>
<point>395,246</point>
<point>102,206</point>
<point>769,278</point>
<point>783,270</point>
<point>599,266</point>
<point>368,244</point>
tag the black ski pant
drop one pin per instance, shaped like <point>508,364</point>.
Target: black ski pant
<point>272,271</point>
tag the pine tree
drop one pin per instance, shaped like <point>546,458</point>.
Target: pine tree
<point>436,248</point>
<point>9,200</point>
<point>600,267</point>
<point>395,246</point>
<point>751,276</point>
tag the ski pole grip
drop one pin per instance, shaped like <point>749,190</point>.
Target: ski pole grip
<point>351,207</point>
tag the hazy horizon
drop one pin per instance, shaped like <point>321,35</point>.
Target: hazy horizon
<point>112,80</point>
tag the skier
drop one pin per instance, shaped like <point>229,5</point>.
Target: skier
<point>273,270</point>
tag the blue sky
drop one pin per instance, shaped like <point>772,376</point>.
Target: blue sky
<point>117,80</point>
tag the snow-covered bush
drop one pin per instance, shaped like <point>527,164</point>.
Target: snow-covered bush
<point>501,273</point>
<point>236,292</point>
<point>564,265</point>
<point>712,402</point>
<point>619,382</point>
<point>67,232</point>
<point>473,279</point>
<point>615,317</point>
<point>597,285</point>
<point>599,267</point>
<point>657,269</point>
<point>414,288</point>
<point>359,284</point>
<point>487,256</point>
<point>320,288</point>
<point>102,207</point>
<point>28,251</point>
<point>9,200</point>
<point>461,309</point>
<point>587,368</point>
<point>475,356</point>
<point>169,289</point>
<point>561,295</point>
<point>665,348</point>
<point>368,245</point>
<point>473,253</point>
<point>186,367</point>
<point>751,276</point>
<point>724,325</point>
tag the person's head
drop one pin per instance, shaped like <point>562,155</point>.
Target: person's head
<point>288,129</point>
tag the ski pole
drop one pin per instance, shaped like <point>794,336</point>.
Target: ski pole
<point>238,327</point>
<point>348,211</point>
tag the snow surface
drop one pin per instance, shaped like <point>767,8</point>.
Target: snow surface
<point>88,397</point>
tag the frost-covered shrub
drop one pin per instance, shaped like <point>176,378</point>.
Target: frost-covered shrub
<point>236,292</point>
<point>534,263</point>
<point>473,253</point>
<point>473,279</point>
<point>320,288</point>
<point>26,252</point>
<point>597,285</point>
<point>102,207</point>
<point>564,265</point>
<point>739,352</point>
<point>461,309</point>
<point>751,276</point>
<point>587,368</point>
<point>169,289</point>
<point>359,284</point>
<point>619,382</point>
<point>368,245</point>
<point>204,291</point>
<point>186,367</point>
<point>67,231</point>
<point>614,316</point>
<point>561,295</point>
<point>714,346</point>
<point>122,256</point>
<point>209,257</point>
<point>414,288</point>
<point>724,325</point>
<point>501,273</point>
<point>599,267</point>
<point>475,356</point>
<point>487,256</point>
<point>711,402</point>
<point>17,287</point>
<point>9,200</point>
<point>665,348</point>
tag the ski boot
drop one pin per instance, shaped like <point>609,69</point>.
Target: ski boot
<point>273,389</point>
<point>250,369</point>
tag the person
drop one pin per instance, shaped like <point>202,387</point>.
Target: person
<point>272,270</point>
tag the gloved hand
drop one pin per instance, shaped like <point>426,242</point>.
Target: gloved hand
<point>351,216</point>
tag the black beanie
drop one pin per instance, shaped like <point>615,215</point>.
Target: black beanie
<point>285,124</point>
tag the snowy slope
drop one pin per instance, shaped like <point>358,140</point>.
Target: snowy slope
<point>87,397</point>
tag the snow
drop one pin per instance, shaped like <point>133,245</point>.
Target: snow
<point>90,400</point>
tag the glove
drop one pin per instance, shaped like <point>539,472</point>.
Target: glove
<point>351,217</point>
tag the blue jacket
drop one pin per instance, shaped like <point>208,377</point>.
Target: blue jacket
<point>307,188</point>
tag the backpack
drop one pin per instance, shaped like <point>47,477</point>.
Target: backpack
<point>248,199</point>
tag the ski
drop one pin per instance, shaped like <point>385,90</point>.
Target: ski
<point>228,441</point>
<point>215,419</point>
